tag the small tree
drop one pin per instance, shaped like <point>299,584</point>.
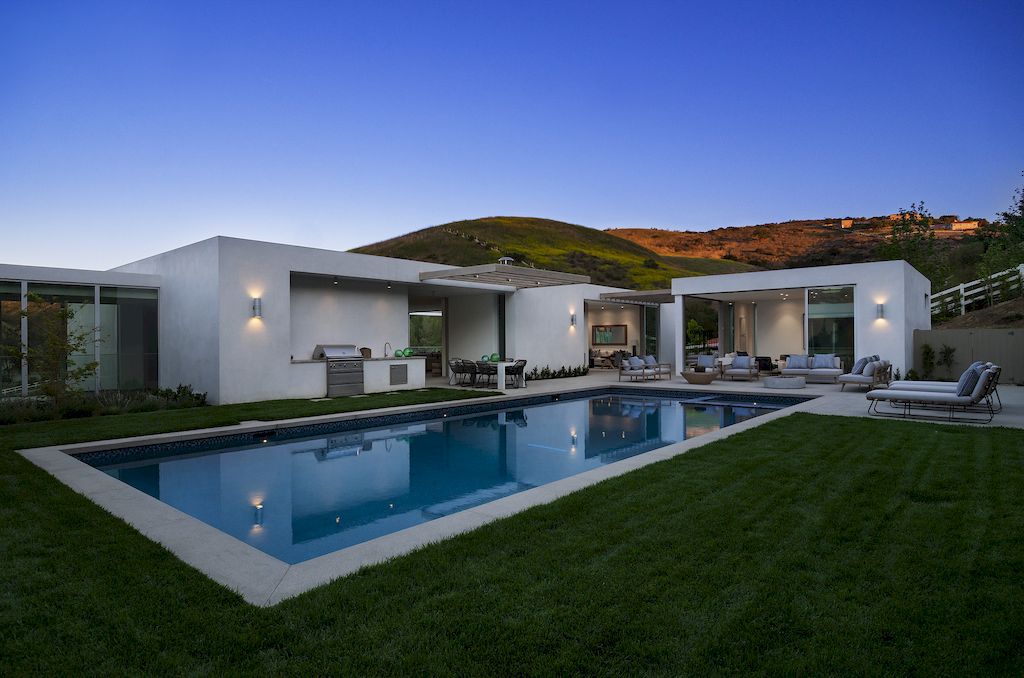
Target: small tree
<point>53,358</point>
<point>946,356</point>
<point>927,361</point>
<point>913,240</point>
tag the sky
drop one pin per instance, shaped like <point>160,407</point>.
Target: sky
<point>130,128</point>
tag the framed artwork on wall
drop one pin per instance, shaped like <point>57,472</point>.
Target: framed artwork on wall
<point>608,335</point>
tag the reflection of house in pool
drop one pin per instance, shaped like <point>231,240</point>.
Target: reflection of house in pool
<point>621,427</point>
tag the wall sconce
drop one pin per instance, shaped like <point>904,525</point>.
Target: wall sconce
<point>257,307</point>
<point>257,518</point>
<point>572,320</point>
<point>573,439</point>
<point>880,311</point>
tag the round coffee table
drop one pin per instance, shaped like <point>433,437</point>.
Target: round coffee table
<point>703,378</point>
<point>784,382</point>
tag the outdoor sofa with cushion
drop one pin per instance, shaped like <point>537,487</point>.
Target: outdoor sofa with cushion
<point>741,367</point>
<point>870,372</point>
<point>820,368</point>
<point>973,395</point>
<point>635,368</point>
<point>663,369</point>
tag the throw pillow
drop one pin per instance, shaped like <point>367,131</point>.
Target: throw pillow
<point>650,360</point>
<point>870,368</point>
<point>741,362</point>
<point>796,362</point>
<point>705,361</point>
<point>858,367</point>
<point>823,360</point>
<point>968,381</point>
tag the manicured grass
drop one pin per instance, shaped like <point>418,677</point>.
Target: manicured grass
<point>809,545</point>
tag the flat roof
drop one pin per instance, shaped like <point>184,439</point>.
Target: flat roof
<point>77,276</point>
<point>503,274</point>
<point>647,297</point>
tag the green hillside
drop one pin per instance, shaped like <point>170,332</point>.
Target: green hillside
<point>555,245</point>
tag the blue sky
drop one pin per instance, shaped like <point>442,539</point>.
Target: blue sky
<point>127,128</point>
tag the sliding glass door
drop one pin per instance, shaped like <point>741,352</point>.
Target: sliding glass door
<point>830,322</point>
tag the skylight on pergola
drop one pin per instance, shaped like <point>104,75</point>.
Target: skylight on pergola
<point>503,274</point>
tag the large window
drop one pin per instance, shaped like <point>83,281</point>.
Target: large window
<point>128,333</point>
<point>126,324</point>
<point>45,321</point>
<point>830,322</point>
<point>651,320</point>
<point>10,337</point>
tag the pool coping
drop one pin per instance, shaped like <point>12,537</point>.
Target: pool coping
<point>263,580</point>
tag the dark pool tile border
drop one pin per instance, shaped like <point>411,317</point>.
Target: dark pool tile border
<point>101,458</point>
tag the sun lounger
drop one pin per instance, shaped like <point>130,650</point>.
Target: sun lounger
<point>907,404</point>
<point>953,386</point>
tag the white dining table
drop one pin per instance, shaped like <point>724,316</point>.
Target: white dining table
<point>520,381</point>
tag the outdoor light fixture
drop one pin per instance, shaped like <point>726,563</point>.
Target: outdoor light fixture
<point>574,439</point>
<point>880,310</point>
<point>258,517</point>
<point>389,285</point>
<point>335,281</point>
<point>257,307</point>
<point>572,320</point>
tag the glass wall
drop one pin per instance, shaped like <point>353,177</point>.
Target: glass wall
<point>10,337</point>
<point>128,338</point>
<point>126,326</point>
<point>46,321</point>
<point>651,321</point>
<point>830,322</point>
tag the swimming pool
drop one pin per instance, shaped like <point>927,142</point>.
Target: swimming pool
<point>299,493</point>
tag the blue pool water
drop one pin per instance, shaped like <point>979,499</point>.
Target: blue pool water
<point>297,496</point>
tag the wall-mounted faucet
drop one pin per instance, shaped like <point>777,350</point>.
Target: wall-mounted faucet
<point>387,344</point>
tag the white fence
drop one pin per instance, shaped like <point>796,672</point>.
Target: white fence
<point>955,300</point>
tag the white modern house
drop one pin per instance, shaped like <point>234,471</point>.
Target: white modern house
<point>850,310</point>
<point>241,319</point>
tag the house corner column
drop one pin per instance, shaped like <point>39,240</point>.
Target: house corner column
<point>679,323</point>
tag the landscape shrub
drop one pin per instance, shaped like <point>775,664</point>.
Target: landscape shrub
<point>78,404</point>
<point>547,373</point>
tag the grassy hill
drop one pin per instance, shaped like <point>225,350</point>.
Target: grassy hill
<point>544,243</point>
<point>812,242</point>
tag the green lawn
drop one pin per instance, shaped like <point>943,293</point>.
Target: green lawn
<point>808,545</point>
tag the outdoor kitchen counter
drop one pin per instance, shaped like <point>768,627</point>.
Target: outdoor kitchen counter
<point>394,374</point>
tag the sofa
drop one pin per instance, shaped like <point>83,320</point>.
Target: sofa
<point>821,368</point>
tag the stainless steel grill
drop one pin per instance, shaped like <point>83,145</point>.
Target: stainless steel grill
<point>344,368</point>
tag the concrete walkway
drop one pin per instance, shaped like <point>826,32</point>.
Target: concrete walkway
<point>829,399</point>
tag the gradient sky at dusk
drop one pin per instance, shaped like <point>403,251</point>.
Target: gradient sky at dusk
<point>129,128</point>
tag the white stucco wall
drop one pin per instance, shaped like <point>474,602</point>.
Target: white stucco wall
<point>349,313</point>
<point>780,327</point>
<point>472,326</point>
<point>539,330</point>
<point>189,309</point>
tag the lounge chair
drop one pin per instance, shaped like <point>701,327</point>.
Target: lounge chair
<point>954,386</point>
<point>872,373</point>
<point>973,396</point>
<point>742,367</point>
